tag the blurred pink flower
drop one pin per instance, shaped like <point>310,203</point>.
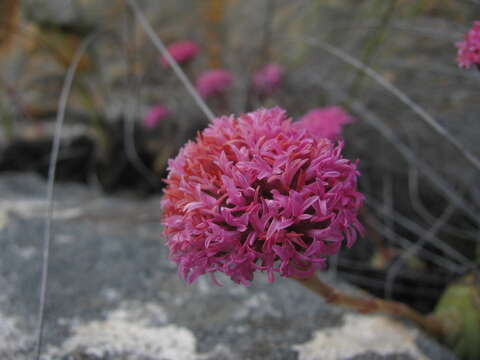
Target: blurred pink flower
<point>181,51</point>
<point>254,193</point>
<point>324,122</point>
<point>213,82</point>
<point>267,79</point>
<point>469,49</point>
<point>154,116</point>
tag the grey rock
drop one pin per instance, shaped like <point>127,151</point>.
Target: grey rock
<point>113,294</point>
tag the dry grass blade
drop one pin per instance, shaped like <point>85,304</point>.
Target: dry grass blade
<point>406,244</point>
<point>62,104</point>
<point>410,156</point>
<point>395,268</point>
<point>428,236</point>
<point>171,61</point>
<point>413,179</point>
<point>373,120</point>
<point>439,129</point>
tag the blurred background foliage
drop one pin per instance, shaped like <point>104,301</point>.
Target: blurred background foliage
<point>417,239</point>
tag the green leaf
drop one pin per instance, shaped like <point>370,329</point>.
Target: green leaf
<point>459,308</point>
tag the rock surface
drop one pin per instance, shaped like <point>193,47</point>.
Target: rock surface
<point>113,294</point>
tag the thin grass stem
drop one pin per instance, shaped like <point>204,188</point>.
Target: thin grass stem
<point>47,236</point>
<point>426,117</point>
<point>158,43</point>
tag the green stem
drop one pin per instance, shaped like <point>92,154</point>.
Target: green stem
<point>372,45</point>
<point>100,127</point>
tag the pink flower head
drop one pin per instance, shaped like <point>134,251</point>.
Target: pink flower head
<point>213,82</point>
<point>267,79</point>
<point>324,122</point>
<point>255,193</point>
<point>469,49</point>
<point>154,116</point>
<point>181,51</point>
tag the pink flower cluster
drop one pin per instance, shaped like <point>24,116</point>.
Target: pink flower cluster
<point>324,122</point>
<point>154,116</point>
<point>213,82</point>
<point>469,49</point>
<point>256,193</point>
<point>267,79</point>
<point>181,51</point>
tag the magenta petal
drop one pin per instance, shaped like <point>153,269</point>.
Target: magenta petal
<point>468,53</point>
<point>214,82</point>
<point>267,79</point>
<point>154,116</point>
<point>259,193</point>
<point>324,122</point>
<point>182,52</point>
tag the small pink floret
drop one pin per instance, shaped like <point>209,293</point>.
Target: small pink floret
<point>324,122</point>
<point>469,50</point>
<point>213,82</point>
<point>267,79</point>
<point>154,116</point>
<point>181,51</point>
<point>256,193</point>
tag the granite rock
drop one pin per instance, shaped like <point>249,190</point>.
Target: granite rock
<point>113,294</point>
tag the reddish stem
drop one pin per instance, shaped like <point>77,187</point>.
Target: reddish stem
<point>429,323</point>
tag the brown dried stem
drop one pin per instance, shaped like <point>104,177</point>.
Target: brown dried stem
<point>214,13</point>
<point>373,305</point>
<point>9,10</point>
